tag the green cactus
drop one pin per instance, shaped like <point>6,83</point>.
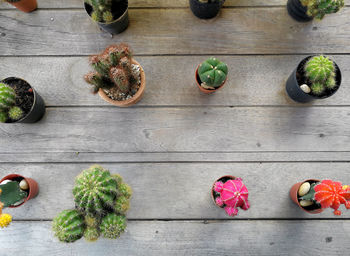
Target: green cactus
<point>113,225</point>
<point>7,104</point>
<point>15,113</point>
<point>319,8</point>
<point>11,193</point>
<point>122,205</point>
<point>320,71</point>
<point>3,117</point>
<point>102,10</point>
<point>68,226</point>
<point>91,234</point>
<point>212,73</point>
<point>125,190</point>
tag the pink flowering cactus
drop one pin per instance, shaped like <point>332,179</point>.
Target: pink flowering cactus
<point>233,194</point>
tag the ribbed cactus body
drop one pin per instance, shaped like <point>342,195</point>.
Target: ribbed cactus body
<point>68,226</point>
<point>7,97</point>
<point>102,10</point>
<point>91,234</point>
<point>122,205</point>
<point>319,8</point>
<point>113,225</point>
<point>212,72</point>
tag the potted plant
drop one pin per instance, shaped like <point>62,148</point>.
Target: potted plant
<point>230,193</point>
<point>24,5</point>
<point>19,102</point>
<point>206,9</point>
<point>101,202</point>
<point>316,77</point>
<point>313,196</point>
<point>306,10</point>
<point>211,75</point>
<point>110,15</point>
<point>118,78</point>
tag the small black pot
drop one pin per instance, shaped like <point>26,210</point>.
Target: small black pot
<point>38,109</point>
<point>297,94</point>
<point>298,11</point>
<point>205,10</point>
<point>118,25</point>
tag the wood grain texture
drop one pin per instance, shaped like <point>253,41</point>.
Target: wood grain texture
<point>252,81</point>
<point>171,31</point>
<point>269,238</point>
<point>181,190</point>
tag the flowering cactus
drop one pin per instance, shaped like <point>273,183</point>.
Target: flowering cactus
<point>212,73</point>
<point>7,104</point>
<point>5,219</point>
<point>233,194</point>
<point>319,8</point>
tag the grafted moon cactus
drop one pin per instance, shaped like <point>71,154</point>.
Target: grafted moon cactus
<point>212,73</point>
<point>233,194</point>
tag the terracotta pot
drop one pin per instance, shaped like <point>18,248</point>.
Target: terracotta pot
<point>33,186</point>
<point>26,5</point>
<point>207,91</point>
<point>229,177</point>
<point>137,97</point>
<point>293,193</point>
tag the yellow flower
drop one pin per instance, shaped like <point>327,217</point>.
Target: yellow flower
<point>5,220</point>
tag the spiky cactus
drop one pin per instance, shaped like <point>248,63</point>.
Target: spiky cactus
<point>68,226</point>
<point>212,73</point>
<point>7,104</point>
<point>102,9</point>
<point>112,225</point>
<point>320,71</point>
<point>112,69</point>
<point>319,8</point>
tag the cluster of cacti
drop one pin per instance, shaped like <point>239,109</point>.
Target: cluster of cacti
<point>102,10</point>
<point>325,194</point>
<point>113,67</point>
<point>212,73</point>
<point>101,201</point>
<point>232,195</point>
<point>320,71</point>
<point>319,8</point>
<point>8,109</point>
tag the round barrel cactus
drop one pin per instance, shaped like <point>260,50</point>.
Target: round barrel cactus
<point>91,234</point>
<point>7,97</point>
<point>212,73</point>
<point>68,226</point>
<point>113,225</point>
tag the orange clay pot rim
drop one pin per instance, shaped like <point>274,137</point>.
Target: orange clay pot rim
<point>208,90</point>
<point>138,94</point>
<point>212,187</point>
<point>301,183</point>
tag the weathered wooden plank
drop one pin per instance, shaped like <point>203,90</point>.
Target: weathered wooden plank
<point>189,238</point>
<point>265,86</point>
<point>167,31</point>
<point>113,129</point>
<point>187,193</point>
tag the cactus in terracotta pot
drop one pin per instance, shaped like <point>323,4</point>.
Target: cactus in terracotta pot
<point>212,73</point>
<point>319,8</point>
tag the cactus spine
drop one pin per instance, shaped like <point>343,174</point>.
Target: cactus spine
<point>7,104</point>
<point>319,8</point>
<point>212,73</point>
<point>113,225</point>
<point>68,226</point>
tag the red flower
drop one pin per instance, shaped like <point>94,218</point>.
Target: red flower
<point>331,194</point>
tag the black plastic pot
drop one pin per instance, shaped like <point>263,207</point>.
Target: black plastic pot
<point>115,27</point>
<point>206,10</point>
<point>297,94</point>
<point>38,109</point>
<point>298,11</point>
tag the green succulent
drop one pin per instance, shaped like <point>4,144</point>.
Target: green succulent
<point>113,225</point>
<point>68,226</point>
<point>212,73</point>
<point>319,8</point>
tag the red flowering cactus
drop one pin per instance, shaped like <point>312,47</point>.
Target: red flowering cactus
<point>332,194</point>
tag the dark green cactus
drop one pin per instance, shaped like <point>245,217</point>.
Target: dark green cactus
<point>11,193</point>
<point>68,226</point>
<point>102,10</point>
<point>212,73</point>
<point>319,8</point>
<point>7,104</point>
<point>113,225</point>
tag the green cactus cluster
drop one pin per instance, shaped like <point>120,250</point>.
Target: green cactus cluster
<point>101,201</point>
<point>319,8</point>
<point>102,10</point>
<point>112,69</point>
<point>320,71</point>
<point>212,73</point>
<point>8,109</point>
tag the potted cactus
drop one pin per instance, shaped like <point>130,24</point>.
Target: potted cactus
<point>306,10</point>
<point>313,196</point>
<point>230,193</point>
<point>110,15</point>
<point>206,9</point>
<point>316,77</point>
<point>24,5</point>
<point>101,202</point>
<point>19,102</point>
<point>211,75</point>
<point>118,78</point>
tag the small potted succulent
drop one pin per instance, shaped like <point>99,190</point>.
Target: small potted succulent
<point>316,77</point>
<point>230,193</point>
<point>313,196</point>
<point>206,9</point>
<point>110,15</point>
<point>118,78</point>
<point>101,202</point>
<point>19,102</point>
<point>307,10</point>
<point>211,75</point>
<point>24,5</point>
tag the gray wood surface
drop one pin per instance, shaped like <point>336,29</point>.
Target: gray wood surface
<point>171,31</point>
<point>269,238</point>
